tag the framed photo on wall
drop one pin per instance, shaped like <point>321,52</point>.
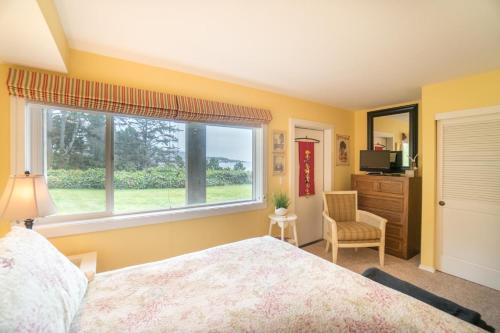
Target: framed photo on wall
<point>343,149</point>
<point>278,164</point>
<point>279,141</point>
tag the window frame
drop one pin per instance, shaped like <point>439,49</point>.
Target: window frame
<point>27,154</point>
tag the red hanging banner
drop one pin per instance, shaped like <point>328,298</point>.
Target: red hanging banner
<point>306,169</point>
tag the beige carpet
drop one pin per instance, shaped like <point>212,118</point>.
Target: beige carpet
<point>471,295</point>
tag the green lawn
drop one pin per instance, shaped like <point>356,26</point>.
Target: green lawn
<point>71,201</point>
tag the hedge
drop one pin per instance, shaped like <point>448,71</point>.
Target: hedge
<point>159,177</point>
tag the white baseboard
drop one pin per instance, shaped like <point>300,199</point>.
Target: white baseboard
<point>427,268</point>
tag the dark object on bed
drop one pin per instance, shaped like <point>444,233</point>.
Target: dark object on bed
<point>440,303</point>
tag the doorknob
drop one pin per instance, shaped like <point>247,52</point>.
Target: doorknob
<point>442,203</point>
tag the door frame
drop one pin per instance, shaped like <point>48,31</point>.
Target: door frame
<point>440,119</point>
<point>328,145</point>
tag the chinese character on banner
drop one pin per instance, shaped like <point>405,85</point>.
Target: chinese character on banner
<point>306,169</point>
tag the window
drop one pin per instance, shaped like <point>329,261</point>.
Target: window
<point>102,165</point>
<point>74,146</point>
<point>149,164</point>
<point>229,164</point>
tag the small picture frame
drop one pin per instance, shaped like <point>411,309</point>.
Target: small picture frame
<point>343,150</point>
<point>278,164</point>
<point>279,141</point>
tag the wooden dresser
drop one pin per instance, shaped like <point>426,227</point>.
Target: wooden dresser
<point>399,200</point>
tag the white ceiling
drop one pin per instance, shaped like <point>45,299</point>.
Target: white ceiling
<point>25,38</point>
<point>352,54</point>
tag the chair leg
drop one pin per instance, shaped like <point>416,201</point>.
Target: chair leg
<point>327,246</point>
<point>295,238</point>
<point>335,248</point>
<point>355,249</point>
<point>381,250</point>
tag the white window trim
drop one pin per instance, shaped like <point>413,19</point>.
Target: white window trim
<point>78,224</point>
<point>141,219</point>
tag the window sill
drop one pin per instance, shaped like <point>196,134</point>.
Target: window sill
<point>134,220</point>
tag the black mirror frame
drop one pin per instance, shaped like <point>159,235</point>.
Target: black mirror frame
<point>413,135</point>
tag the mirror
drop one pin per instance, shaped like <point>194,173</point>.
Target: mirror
<point>394,129</point>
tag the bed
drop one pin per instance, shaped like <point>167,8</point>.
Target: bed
<point>255,285</point>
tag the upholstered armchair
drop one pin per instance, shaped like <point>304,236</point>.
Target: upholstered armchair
<point>350,227</point>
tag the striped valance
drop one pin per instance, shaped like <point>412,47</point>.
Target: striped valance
<point>195,109</point>
<point>62,90</point>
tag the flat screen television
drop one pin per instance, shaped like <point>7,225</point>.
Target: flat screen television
<point>381,161</point>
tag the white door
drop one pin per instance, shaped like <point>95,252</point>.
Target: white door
<point>469,198</point>
<point>309,209</point>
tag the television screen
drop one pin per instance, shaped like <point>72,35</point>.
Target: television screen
<point>396,158</point>
<point>373,160</point>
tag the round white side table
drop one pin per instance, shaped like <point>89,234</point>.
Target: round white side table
<point>284,221</point>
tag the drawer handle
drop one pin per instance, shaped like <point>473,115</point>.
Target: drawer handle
<point>442,203</point>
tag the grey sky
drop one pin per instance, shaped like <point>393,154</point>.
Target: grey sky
<point>229,142</point>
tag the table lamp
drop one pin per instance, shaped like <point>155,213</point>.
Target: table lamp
<point>26,197</point>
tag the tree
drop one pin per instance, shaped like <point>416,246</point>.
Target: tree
<point>142,143</point>
<point>76,140</point>
<point>213,164</point>
<point>179,161</point>
<point>239,166</point>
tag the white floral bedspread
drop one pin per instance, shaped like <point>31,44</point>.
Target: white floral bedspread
<point>255,285</point>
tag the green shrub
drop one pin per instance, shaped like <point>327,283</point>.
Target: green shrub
<point>158,177</point>
<point>228,177</point>
<point>63,178</point>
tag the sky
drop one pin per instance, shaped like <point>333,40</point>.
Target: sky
<point>229,142</point>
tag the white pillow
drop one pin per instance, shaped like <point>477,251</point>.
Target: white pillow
<point>40,289</point>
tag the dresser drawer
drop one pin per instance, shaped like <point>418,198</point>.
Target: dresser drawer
<point>389,197</point>
<point>394,230</point>
<point>393,245</point>
<point>376,185</point>
<point>365,186</point>
<point>391,187</point>
<point>390,204</point>
<point>391,217</point>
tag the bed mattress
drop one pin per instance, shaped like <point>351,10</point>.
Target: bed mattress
<point>255,285</point>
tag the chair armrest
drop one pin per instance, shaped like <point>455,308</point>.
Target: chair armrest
<point>333,230</point>
<point>87,262</point>
<point>329,219</point>
<point>371,219</point>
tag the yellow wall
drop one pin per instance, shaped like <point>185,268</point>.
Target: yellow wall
<point>465,93</point>
<point>394,126</point>
<point>4,135</point>
<point>118,248</point>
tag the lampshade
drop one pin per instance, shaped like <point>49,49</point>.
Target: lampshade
<point>26,197</point>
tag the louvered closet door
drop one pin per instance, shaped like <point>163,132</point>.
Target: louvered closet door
<point>469,198</point>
